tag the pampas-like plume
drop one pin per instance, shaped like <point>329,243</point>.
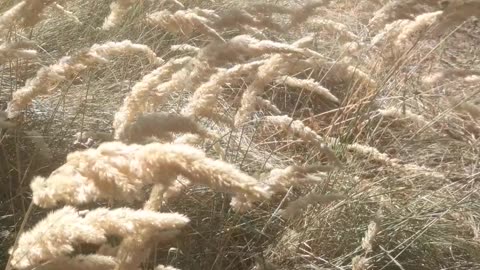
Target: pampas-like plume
<point>27,13</point>
<point>298,206</point>
<point>119,171</point>
<point>299,15</point>
<point>54,237</point>
<point>119,9</point>
<point>383,158</point>
<point>359,263</point>
<point>298,128</point>
<point>389,32</point>
<point>125,222</point>
<point>466,75</point>
<point>7,19</point>
<point>163,267</point>
<point>204,64</point>
<point>243,19</point>
<point>279,180</point>
<point>304,132</point>
<point>186,21</point>
<point>276,65</point>
<point>268,105</point>
<point>398,10</point>
<point>415,28</point>
<point>244,46</point>
<point>184,48</point>
<point>370,234</point>
<point>48,78</point>
<point>396,113</point>
<point>203,100</point>
<point>310,85</point>
<point>135,103</point>
<point>161,125</point>
<point>335,28</point>
<point>9,51</point>
<point>81,262</point>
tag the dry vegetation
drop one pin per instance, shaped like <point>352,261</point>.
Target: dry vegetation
<point>239,135</point>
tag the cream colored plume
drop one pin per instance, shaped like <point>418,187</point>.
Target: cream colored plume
<point>397,113</point>
<point>26,13</point>
<point>370,234</point>
<point>119,9</point>
<point>119,171</point>
<point>137,100</point>
<point>410,32</point>
<point>54,238</point>
<point>204,98</point>
<point>280,180</point>
<point>48,78</point>
<point>309,85</point>
<point>186,21</point>
<point>81,262</point>
<point>162,125</point>
<point>11,51</point>
<point>335,28</point>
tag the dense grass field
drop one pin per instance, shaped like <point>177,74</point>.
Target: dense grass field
<point>215,134</point>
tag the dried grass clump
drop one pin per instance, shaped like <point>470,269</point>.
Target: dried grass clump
<point>48,78</point>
